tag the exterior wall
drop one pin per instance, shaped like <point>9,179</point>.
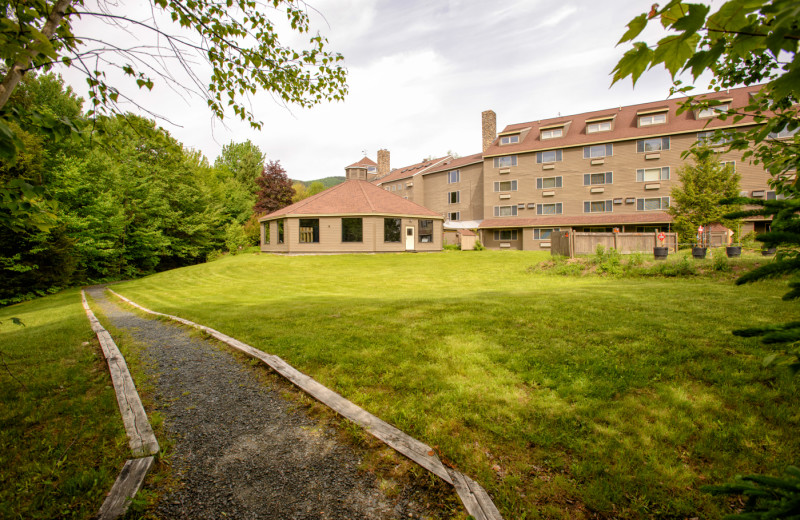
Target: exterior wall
<point>330,237</point>
<point>623,164</point>
<point>491,243</point>
<point>470,186</point>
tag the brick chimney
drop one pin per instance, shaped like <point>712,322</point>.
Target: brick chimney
<point>383,162</point>
<point>488,128</point>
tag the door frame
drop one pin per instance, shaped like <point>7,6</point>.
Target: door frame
<point>411,236</point>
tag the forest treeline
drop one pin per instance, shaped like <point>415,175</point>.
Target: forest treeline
<point>123,198</point>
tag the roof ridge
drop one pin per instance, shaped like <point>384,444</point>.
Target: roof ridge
<point>366,197</point>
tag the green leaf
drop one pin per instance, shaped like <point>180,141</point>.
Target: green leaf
<point>635,27</point>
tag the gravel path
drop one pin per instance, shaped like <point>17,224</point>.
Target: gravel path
<point>241,450</point>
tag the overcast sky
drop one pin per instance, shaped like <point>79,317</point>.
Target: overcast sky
<point>420,74</point>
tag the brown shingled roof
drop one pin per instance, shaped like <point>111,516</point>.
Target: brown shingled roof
<point>625,124</point>
<point>608,219</point>
<point>363,163</point>
<point>456,163</point>
<point>353,197</point>
<point>410,171</point>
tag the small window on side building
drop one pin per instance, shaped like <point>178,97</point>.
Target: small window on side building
<point>309,230</point>
<point>352,230</point>
<point>391,230</point>
<point>425,231</point>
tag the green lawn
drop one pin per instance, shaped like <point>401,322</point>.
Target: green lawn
<point>62,442</point>
<point>563,396</point>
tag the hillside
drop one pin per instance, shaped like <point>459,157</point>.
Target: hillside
<point>327,181</point>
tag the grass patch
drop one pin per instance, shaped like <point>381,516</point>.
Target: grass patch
<point>62,442</point>
<point>564,396</point>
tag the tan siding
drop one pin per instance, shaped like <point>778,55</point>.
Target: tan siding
<point>623,164</point>
<point>330,237</point>
<point>436,189</point>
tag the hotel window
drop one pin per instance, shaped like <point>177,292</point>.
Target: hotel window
<point>598,206</point>
<point>391,230</point>
<point>505,211</point>
<point>556,208</point>
<point>505,186</point>
<point>552,132</point>
<point>598,150</point>
<point>656,144</point>
<point>652,119</point>
<point>372,169</point>
<point>352,230</point>
<point>455,215</point>
<point>548,156</point>
<point>309,230</point>
<point>505,161</point>
<point>597,179</point>
<point>280,231</point>
<point>732,164</point>
<point>425,231</point>
<point>653,204</point>
<point>509,139</point>
<point>711,139</point>
<point>546,183</point>
<point>601,126</point>
<point>543,233</point>
<point>705,113</point>
<point>453,176</point>
<point>454,197</point>
<point>652,174</point>
<point>783,133</point>
<point>505,234</point>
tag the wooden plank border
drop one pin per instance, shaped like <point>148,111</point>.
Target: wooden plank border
<point>475,499</point>
<point>141,438</point>
<point>128,483</point>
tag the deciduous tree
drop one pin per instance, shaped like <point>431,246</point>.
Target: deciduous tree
<point>696,201</point>
<point>275,189</point>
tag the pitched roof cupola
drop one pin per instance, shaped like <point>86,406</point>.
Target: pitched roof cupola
<point>361,170</point>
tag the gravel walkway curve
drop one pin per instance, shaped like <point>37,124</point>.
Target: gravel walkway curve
<point>240,450</point>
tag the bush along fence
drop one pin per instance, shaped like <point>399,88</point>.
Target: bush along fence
<point>476,500</point>
<point>141,438</point>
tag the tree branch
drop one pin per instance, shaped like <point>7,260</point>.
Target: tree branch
<point>17,70</point>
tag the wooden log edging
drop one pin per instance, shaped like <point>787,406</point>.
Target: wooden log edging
<point>475,499</point>
<point>141,438</point>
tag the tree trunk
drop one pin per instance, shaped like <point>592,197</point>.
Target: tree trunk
<point>19,68</point>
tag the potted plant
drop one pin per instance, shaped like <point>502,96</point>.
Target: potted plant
<point>660,252</point>
<point>735,251</point>
<point>699,248</point>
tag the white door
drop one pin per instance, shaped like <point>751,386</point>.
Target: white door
<point>410,238</point>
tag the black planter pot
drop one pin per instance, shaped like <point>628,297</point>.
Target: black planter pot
<point>769,252</point>
<point>699,252</point>
<point>733,251</point>
<point>660,253</point>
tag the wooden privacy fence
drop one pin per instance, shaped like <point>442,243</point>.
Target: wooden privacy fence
<point>571,243</point>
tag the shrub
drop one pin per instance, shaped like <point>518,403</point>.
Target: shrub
<point>452,247</point>
<point>478,246</point>
<point>235,238</point>
<point>216,254</point>
<point>720,263</point>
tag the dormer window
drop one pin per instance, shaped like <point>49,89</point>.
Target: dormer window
<point>509,139</point>
<point>705,113</point>
<point>652,119</point>
<point>372,169</point>
<point>602,126</point>
<point>552,133</point>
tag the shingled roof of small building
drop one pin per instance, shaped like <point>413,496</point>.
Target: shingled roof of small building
<point>353,197</point>
<point>366,162</point>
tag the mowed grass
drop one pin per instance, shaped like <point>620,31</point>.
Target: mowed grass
<point>62,443</point>
<point>566,397</point>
